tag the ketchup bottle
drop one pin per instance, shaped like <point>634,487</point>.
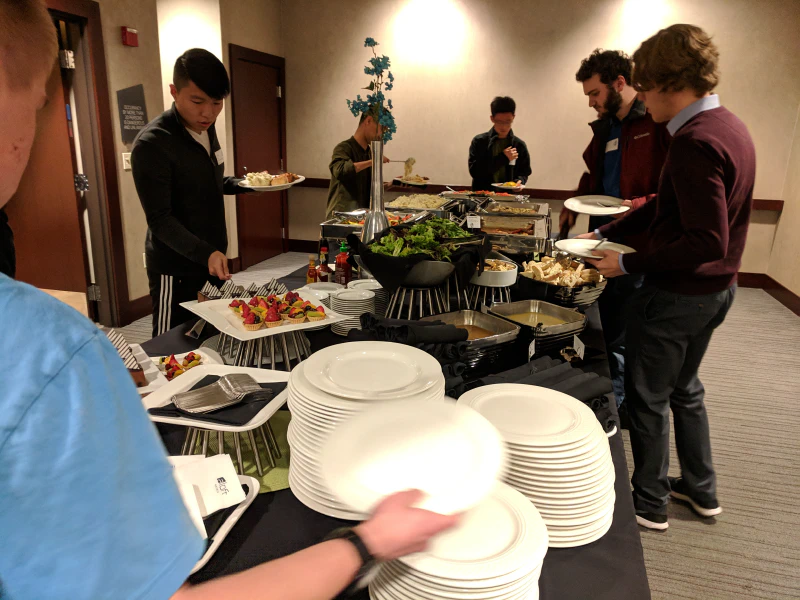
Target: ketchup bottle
<point>344,272</point>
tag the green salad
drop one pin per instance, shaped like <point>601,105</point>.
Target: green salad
<point>429,237</point>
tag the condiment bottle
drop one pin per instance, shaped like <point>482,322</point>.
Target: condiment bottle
<point>323,271</point>
<point>344,272</point>
<point>311,274</point>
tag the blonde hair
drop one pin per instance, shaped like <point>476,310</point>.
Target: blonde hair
<point>677,58</point>
<point>28,43</point>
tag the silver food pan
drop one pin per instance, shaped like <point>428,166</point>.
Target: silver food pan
<point>574,321</point>
<point>502,330</point>
<point>531,209</point>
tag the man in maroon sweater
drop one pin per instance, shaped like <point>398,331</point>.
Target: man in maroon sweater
<point>696,229</point>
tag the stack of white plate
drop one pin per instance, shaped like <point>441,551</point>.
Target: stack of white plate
<point>351,302</point>
<point>337,383</point>
<point>495,552</point>
<point>381,295</point>
<point>559,458</point>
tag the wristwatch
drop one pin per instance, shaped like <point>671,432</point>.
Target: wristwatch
<point>368,562</point>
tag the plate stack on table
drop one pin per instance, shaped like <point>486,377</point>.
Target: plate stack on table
<point>381,295</point>
<point>559,458</point>
<point>354,303</point>
<point>495,552</point>
<point>337,383</point>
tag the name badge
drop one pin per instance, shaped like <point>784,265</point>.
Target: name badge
<point>220,156</point>
<point>612,145</point>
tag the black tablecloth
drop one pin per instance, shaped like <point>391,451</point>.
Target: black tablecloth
<point>277,524</point>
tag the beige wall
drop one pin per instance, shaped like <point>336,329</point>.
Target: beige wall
<point>783,263</point>
<point>446,81</point>
<point>126,67</point>
<point>254,24</point>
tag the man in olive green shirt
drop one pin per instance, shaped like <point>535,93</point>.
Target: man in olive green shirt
<point>350,169</point>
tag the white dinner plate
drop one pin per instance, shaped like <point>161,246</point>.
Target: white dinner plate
<point>314,505</point>
<point>584,248</point>
<point>365,284</point>
<point>416,183</point>
<point>532,415</point>
<point>324,286</point>
<point>397,571</point>
<point>372,370</point>
<point>508,187</point>
<point>596,205</point>
<point>572,543</point>
<point>451,453</point>
<point>270,188</point>
<point>496,539</point>
<point>403,587</point>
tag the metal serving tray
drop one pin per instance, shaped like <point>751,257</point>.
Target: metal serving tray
<point>574,321</point>
<point>502,330</point>
<point>536,209</point>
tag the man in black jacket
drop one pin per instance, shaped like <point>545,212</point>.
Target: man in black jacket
<point>178,170</point>
<point>497,156</point>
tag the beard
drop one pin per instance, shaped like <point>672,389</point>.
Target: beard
<point>613,102</point>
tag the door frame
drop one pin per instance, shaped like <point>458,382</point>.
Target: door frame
<point>102,135</point>
<point>236,53</point>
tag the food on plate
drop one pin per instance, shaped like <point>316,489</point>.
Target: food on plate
<point>418,201</point>
<point>490,193</point>
<point>272,318</point>
<point>429,237</point>
<point>409,164</point>
<point>529,230</point>
<point>491,264</point>
<point>264,179</point>
<point>415,179</point>
<point>393,219</point>
<point>253,321</point>
<point>550,271</point>
<point>172,367</point>
<point>516,210</point>
<point>296,315</point>
<point>510,184</point>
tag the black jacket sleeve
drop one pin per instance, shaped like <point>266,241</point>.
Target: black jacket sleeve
<point>522,170</point>
<point>153,178</point>
<point>230,186</point>
<point>482,165</point>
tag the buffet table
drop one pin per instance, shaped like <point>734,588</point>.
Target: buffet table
<point>277,524</point>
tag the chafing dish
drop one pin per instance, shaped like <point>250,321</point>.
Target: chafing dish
<point>548,337</point>
<point>524,209</point>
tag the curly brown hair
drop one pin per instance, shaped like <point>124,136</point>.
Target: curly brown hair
<point>676,58</point>
<point>609,64</point>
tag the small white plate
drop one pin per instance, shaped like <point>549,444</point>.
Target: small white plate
<point>584,248</point>
<point>270,188</point>
<point>365,284</point>
<point>451,453</point>
<point>324,286</point>
<point>508,187</point>
<point>370,370</point>
<point>593,205</point>
<point>416,183</point>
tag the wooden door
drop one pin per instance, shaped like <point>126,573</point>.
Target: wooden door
<point>44,212</point>
<point>257,107</point>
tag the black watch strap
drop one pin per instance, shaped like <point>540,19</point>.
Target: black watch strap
<point>367,560</point>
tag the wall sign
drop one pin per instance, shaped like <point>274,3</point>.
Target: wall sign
<point>132,112</point>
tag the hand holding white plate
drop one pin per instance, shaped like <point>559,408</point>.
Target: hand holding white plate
<point>596,205</point>
<point>584,248</point>
<point>450,452</point>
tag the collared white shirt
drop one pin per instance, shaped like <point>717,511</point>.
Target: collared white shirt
<point>695,108</point>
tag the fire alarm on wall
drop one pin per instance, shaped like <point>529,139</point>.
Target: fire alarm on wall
<point>130,37</point>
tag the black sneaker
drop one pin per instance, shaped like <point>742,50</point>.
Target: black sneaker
<point>680,492</point>
<point>652,520</point>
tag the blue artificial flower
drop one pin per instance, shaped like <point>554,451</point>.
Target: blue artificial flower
<point>391,77</point>
<point>370,43</point>
<point>389,87</point>
<point>390,105</point>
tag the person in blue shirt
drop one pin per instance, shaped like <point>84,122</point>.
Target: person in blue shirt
<point>89,507</point>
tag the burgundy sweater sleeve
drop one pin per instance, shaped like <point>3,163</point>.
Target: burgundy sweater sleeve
<point>702,208</point>
<point>632,223</point>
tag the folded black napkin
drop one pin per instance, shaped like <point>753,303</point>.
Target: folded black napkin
<point>548,376</point>
<point>446,353</point>
<point>361,335</point>
<point>412,332</point>
<point>591,389</point>
<point>602,410</point>
<point>514,375</point>
<point>454,387</point>
<point>214,521</point>
<point>570,383</point>
<point>237,414</point>
<point>369,320</point>
<point>454,370</point>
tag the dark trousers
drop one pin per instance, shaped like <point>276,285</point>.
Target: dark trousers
<point>667,336</point>
<point>613,305</point>
<point>168,291</point>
